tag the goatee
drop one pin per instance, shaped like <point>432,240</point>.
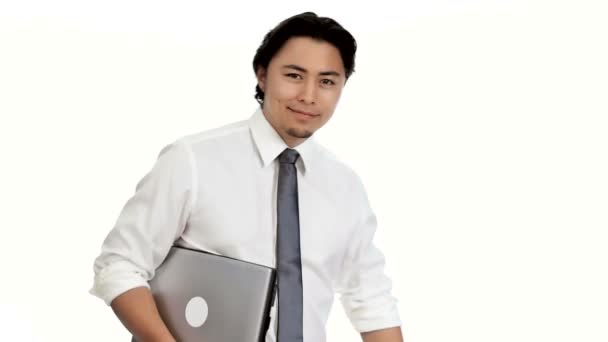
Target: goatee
<point>302,134</point>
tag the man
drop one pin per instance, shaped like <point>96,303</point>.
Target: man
<point>224,191</point>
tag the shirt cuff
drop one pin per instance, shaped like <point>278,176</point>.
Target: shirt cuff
<point>379,313</point>
<point>386,321</point>
<point>114,280</point>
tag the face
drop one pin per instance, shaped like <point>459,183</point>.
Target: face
<point>302,86</point>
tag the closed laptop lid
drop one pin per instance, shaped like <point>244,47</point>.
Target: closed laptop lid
<point>207,297</point>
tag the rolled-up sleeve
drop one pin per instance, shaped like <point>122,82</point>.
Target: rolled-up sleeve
<point>365,290</point>
<point>151,220</point>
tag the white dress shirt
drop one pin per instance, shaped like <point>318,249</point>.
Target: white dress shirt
<point>216,191</point>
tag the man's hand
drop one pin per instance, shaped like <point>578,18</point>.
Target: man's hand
<point>384,335</point>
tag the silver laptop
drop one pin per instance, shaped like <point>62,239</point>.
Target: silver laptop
<point>206,297</point>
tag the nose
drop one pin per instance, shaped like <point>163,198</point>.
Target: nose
<point>308,92</point>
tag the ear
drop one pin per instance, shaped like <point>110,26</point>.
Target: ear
<point>261,76</point>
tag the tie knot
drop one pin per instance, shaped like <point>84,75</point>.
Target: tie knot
<point>288,156</point>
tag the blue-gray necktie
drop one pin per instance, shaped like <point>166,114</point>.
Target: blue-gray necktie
<point>289,265</point>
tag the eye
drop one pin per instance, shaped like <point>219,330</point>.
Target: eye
<point>294,76</point>
<point>327,81</point>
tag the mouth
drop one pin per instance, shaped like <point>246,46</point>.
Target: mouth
<point>302,113</point>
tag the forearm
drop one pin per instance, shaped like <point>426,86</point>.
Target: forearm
<point>384,335</point>
<point>137,311</point>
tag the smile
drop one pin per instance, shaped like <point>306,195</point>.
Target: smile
<point>303,114</point>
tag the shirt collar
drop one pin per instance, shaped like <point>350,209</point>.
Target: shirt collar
<point>270,144</point>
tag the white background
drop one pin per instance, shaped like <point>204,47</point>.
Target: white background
<point>478,127</point>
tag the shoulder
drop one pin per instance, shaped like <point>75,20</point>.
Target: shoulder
<point>211,144</point>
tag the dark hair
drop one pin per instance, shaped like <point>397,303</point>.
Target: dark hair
<point>306,24</point>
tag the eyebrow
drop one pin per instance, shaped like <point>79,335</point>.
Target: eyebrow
<point>323,73</point>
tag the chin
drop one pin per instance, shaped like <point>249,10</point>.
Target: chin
<point>299,133</point>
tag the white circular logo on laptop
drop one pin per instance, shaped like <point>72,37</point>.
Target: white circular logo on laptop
<point>196,312</point>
